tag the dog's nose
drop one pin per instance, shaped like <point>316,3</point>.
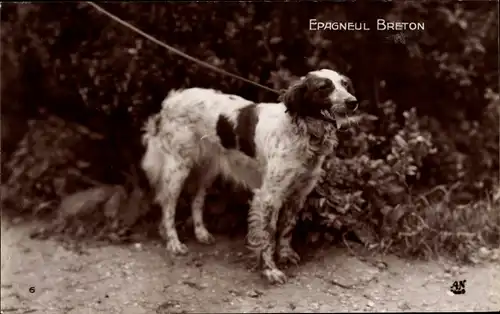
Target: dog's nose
<point>351,103</point>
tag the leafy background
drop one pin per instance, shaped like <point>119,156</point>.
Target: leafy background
<point>417,176</point>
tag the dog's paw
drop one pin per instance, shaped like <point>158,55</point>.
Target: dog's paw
<point>176,247</point>
<point>274,276</point>
<point>203,236</point>
<point>287,255</point>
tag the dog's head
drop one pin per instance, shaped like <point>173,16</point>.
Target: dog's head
<point>323,94</point>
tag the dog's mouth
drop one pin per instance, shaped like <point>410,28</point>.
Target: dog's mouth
<point>337,114</point>
<point>330,117</point>
<point>341,115</point>
<point>339,119</point>
<point>353,109</point>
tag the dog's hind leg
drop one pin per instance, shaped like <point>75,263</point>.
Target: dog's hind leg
<point>174,174</point>
<point>206,179</point>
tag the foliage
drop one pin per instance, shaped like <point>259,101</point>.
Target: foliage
<point>48,164</point>
<point>436,106</point>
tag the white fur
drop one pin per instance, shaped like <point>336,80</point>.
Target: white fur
<point>182,138</point>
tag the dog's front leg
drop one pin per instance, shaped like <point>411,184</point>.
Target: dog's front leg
<point>290,212</point>
<point>263,218</point>
<point>286,226</point>
<point>289,215</point>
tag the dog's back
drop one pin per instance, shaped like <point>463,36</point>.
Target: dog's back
<point>202,105</point>
<point>188,125</point>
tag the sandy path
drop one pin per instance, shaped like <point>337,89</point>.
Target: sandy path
<point>141,278</point>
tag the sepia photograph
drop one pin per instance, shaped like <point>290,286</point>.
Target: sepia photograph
<point>250,157</point>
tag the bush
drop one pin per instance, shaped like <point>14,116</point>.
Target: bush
<point>436,107</point>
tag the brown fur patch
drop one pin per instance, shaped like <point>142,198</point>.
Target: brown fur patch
<point>307,98</point>
<point>245,129</point>
<point>225,131</point>
<point>241,136</point>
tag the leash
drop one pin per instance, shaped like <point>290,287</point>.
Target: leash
<point>177,51</point>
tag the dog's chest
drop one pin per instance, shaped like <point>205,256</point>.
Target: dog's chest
<point>319,145</point>
<point>322,141</point>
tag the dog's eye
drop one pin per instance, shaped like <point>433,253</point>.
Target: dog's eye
<point>347,85</point>
<point>326,85</point>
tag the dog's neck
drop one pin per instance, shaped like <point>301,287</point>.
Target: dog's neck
<point>321,134</point>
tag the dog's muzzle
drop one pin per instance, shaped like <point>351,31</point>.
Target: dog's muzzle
<point>331,117</point>
<point>351,104</point>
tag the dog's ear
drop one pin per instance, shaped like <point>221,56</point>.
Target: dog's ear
<point>293,97</point>
<point>308,96</point>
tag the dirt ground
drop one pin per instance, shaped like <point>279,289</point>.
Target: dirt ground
<point>141,278</point>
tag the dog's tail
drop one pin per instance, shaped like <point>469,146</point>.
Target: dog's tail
<point>153,161</point>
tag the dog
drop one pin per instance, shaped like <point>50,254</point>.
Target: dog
<point>274,149</point>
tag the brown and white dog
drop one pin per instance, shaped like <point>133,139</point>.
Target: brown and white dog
<point>275,149</point>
